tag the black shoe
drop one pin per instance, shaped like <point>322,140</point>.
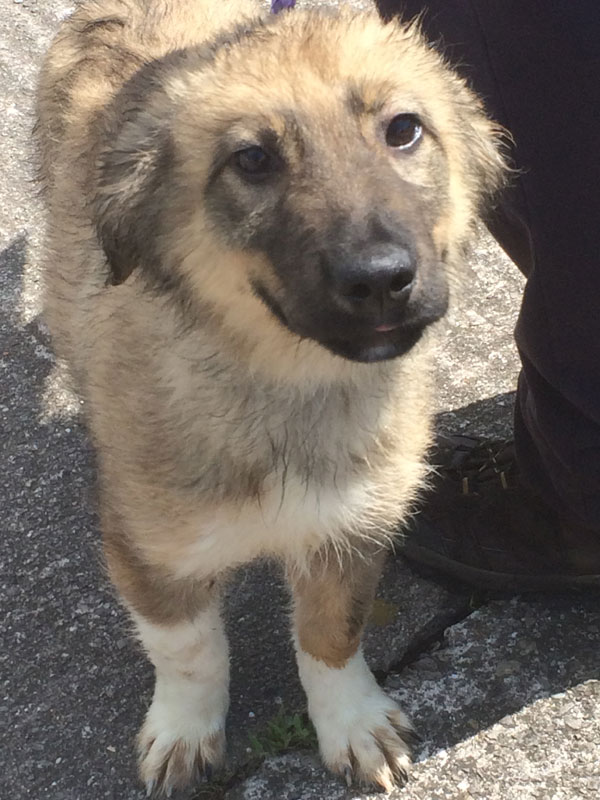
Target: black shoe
<point>480,524</point>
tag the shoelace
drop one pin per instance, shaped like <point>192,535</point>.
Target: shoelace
<point>473,463</point>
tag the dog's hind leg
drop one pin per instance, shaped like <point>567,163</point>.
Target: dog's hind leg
<point>362,733</point>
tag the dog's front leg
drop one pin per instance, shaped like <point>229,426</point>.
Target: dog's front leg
<point>179,625</point>
<point>183,735</point>
<point>362,733</point>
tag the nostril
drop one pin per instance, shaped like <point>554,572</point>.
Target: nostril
<point>358,291</point>
<point>399,283</point>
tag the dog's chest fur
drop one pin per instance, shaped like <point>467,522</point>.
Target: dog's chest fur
<point>289,470</point>
<point>249,466</point>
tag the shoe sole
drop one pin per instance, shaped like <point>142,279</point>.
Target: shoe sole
<point>496,581</point>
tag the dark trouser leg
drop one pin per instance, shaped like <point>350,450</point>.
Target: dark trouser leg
<point>537,66</point>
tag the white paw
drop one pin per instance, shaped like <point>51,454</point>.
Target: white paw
<point>363,735</point>
<point>177,748</point>
<point>183,736</point>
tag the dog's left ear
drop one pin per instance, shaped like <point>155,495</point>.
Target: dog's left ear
<point>133,175</point>
<point>484,146</point>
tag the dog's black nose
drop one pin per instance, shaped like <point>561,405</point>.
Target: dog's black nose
<point>379,279</point>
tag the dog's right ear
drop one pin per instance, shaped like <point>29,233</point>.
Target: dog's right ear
<point>133,175</point>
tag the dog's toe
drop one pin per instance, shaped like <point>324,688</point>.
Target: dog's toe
<point>363,735</point>
<point>371,753</point>
<point>176,758</point>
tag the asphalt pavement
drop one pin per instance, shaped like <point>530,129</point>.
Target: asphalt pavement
<point>505,692</point>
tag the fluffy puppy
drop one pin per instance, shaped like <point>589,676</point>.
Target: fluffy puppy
<point>252,223</point>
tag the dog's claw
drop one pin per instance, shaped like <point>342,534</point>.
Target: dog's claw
<point>198,775</point>
<point>414,737</point>
<point>169,791</point>
<point>348,775</point>
<point>410,736</point>
<point>150,787</point>
<point>401,775</point>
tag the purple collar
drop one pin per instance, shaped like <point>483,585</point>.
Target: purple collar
<point>280,5</point>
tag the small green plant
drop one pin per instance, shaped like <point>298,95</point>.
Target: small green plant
<point>284,732</point>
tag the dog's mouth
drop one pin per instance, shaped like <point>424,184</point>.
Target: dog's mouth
<point>272,304</point>
<point>375,345</point>
<point>366,341</point>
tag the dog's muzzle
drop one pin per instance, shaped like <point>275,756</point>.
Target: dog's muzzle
<point>376,285</point>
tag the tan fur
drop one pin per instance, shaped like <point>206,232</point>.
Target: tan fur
<point>221,435</point>
<point>332,601</point>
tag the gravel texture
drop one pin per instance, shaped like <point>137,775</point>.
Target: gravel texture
<point>506,697</point>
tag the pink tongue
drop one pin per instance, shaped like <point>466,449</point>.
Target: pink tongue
<point>385,328</point>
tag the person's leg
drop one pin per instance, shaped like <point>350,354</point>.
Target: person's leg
<point>537,67</point>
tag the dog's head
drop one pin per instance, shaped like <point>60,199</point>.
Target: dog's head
<point>313,177</point>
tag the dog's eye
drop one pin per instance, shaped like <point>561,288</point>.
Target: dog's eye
<point>254,162</point>
<point>403,131</point>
